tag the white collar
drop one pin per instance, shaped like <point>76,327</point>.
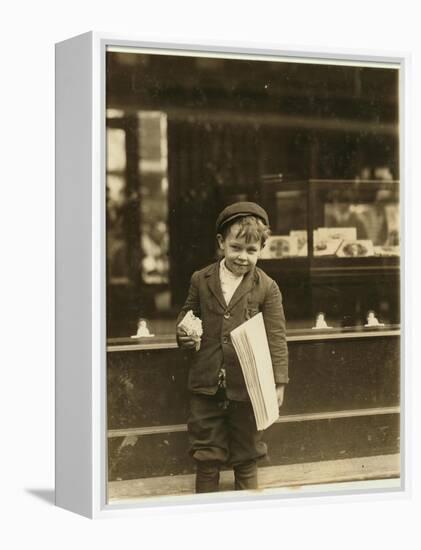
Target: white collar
<point>227,273</point>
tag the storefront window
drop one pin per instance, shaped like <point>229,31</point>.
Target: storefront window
<point>316,145</point>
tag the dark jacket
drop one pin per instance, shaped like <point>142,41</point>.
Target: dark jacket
<point>256,292</point>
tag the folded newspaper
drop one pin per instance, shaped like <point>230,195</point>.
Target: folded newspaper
<point>252,348</point>
<point>192,326</point>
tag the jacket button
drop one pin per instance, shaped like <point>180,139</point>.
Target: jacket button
<point>227,315</point>
<point>225,340</point>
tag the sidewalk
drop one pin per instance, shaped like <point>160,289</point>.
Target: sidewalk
<point>295,475</point>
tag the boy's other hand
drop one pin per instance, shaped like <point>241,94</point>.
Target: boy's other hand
<point>280,388</point>
<point>184,340</point>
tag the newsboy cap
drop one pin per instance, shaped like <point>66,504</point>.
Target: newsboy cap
<point>239,210</point>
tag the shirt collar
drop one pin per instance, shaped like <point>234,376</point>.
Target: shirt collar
<point>225,272</point>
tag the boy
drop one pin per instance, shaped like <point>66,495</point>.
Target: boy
<point>221,425</point>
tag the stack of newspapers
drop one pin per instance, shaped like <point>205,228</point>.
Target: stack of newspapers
<point>252,348</point>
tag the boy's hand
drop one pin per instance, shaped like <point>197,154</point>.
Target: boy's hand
<point>185,341</point>
<point>280,388</point>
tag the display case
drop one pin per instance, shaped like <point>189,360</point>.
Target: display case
<point>335,250</point>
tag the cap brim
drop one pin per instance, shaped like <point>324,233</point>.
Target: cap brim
<point>241,215</point>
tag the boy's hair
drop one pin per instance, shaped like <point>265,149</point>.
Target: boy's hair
<point>250,227</point>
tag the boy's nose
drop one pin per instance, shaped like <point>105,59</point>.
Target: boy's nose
<point>243,255</point>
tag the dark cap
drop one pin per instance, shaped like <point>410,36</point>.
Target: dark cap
<point>239,210</point>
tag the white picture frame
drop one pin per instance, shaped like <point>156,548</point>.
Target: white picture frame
<point>81,431</point>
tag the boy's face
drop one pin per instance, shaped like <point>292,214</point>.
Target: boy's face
<point>240,256</point>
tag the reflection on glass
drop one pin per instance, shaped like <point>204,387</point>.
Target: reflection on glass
<point>356,227</point>
<point>286,204</point>
<point>137,221</point>
<point>116,242</point>
<point>154,202</point>
<point>116,150</point>
<point>116,184</point>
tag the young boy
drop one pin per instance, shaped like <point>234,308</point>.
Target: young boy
<point>221,425</point>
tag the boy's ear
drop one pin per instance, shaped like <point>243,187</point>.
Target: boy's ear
<point>262,246</point>
<point>220,240</point>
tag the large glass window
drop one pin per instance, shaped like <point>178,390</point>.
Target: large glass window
<point>316,145</point>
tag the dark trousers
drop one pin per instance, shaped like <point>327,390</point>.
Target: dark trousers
<point>223,432</point>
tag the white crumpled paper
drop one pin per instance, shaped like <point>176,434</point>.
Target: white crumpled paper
<point>192,326</point>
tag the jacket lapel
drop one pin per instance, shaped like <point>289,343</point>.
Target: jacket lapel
<point>245,286</point>
<point>215,284</point>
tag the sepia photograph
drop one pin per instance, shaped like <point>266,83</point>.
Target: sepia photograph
<point>250,199</point>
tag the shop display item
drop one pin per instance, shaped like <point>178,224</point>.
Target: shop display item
<point>343,233</point>
<point>321,322</point>
<point>142,330</point>
<point>301,236</point>
<point>386,251</point>
<point>372,320</point>
<point>350,249</point>
<point>280,246</point>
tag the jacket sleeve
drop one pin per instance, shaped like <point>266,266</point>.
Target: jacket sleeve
<point>274,318</point>
<point>192,301</point>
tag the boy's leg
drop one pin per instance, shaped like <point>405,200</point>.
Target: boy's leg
<point>208,439</point>
<point>245,475</point>
<point>246,445</point>
<point>207,476</point>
